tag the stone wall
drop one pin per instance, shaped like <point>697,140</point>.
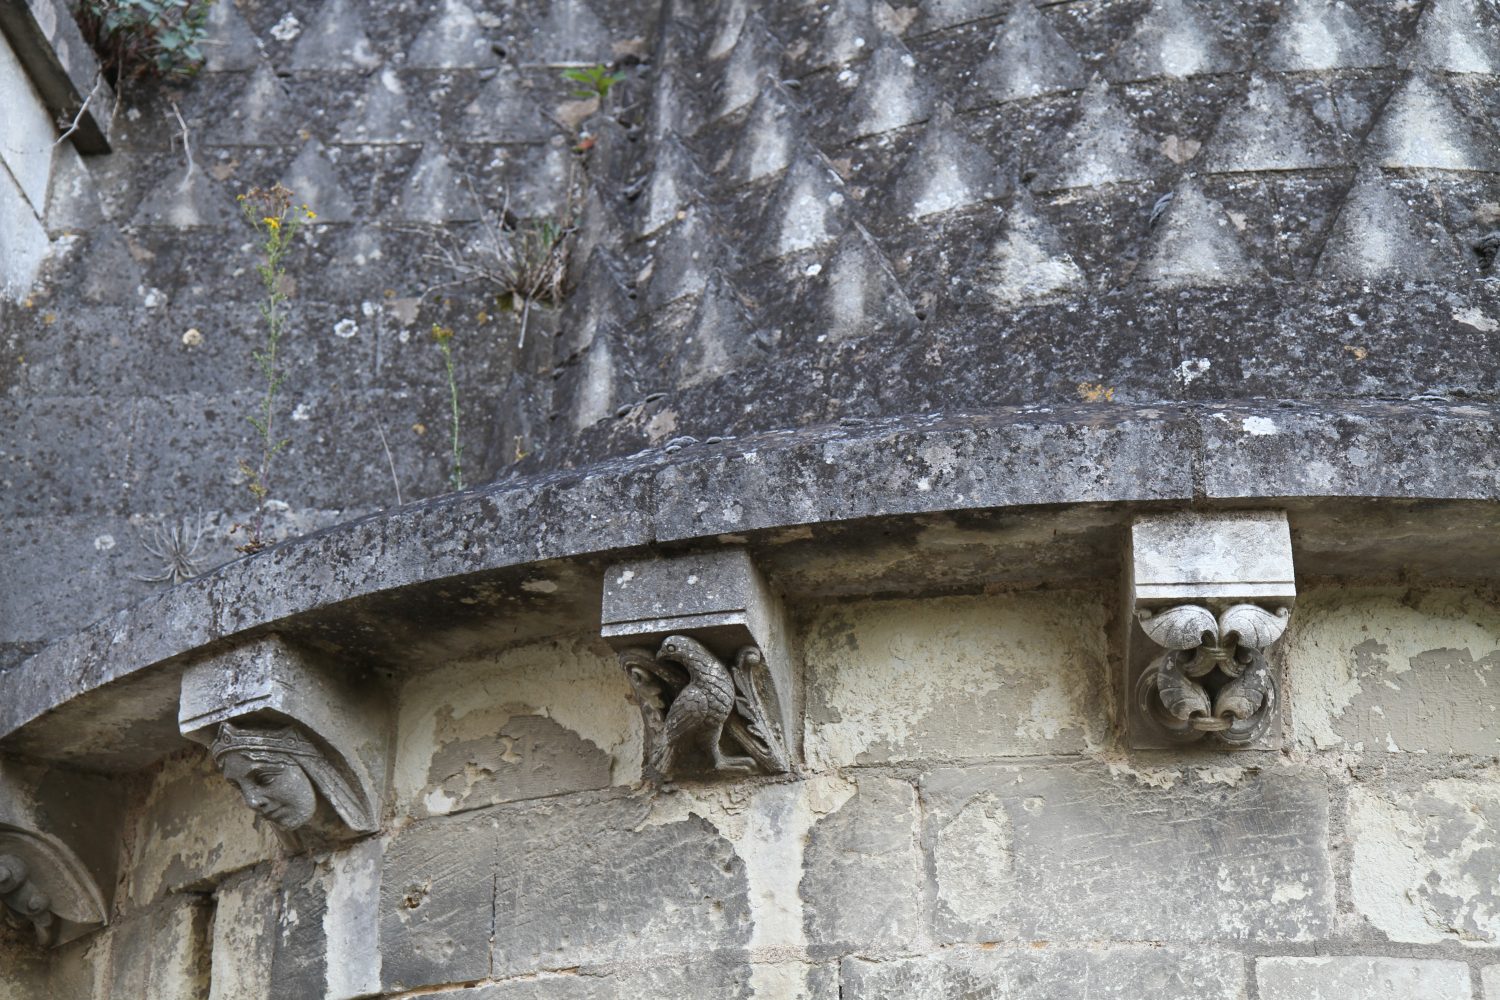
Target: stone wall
<point>965,825</point>
<point>26,154</point>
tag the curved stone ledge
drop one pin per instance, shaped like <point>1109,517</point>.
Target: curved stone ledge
<point>514,560</point>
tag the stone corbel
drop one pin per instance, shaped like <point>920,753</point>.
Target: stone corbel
<point>47,886</point>
<point>1209,593</point>
<point>704,643</point>
<point>304,741</point>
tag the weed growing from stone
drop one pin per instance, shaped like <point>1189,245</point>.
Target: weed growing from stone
<point>177,546</point>
<point>594,81</point>
<point>444,337</point>
<point>138,38</point>
<point>276,222</point>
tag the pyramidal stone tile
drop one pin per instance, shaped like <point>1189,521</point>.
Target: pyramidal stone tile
<point>335,40</point>
<point>1027,263</point>
<point>1102,147</point>
<point>891,93</point>
<point>1457,36</point>
<point>846,34</point>
<point>756,53</point>
<point>572,32</point>
<point>73,203</point>
<point>112,274</point>
<point>229,43</point>
<point>262,114</point>
<point>684,258</point>
<point>188,198</point>
<point>601,298</point>
<point>1196,245</point>
<point>1420,128</point>
<point>676,105</point>
<point>937,14</point>
<point>1269,131</point>
<point>1377,236</point>
<point>599,222</point>
<point>863,294</point>
<point>1028,58</point>
<point>434,192</point>
<point>1323,35</point>
<point>383,114</point>
<point>810,207</point>
<point>452,38</point>
<point>1175,40</point>
<point>676,181</point>
<point>503,111</point>
<point>717,338</point>
<point>727,28</point>
<point>946,172</point>
<point>773,129</point>
<point>596,388</point>
<point>315,183</point>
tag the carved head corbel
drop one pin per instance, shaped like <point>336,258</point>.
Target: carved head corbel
<point>283,776</point>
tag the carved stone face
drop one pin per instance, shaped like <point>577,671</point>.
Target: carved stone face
<point>279,790</point>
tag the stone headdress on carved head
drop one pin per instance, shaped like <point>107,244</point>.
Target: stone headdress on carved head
<point>287,744</point>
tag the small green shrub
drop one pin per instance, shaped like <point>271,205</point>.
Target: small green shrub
<point>595,80</point>
<point>139,38</point>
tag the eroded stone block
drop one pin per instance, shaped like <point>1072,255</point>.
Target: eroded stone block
<point>1378,671</point>
<point>192,828</point>
<point>1366,978</point>
<point>706,977</point>
<point>163,953</point>
<point>1107,973</point>
<point>862,885</point>
<point>537,720</point>
<point>437,901</point>
<point>244,933</point>
<point>964,677</point>
<point>1425,860</point>
<point>1085,852</point>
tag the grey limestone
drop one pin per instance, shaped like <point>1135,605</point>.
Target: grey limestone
<point>1044,971</point>
<point>1367,978</point>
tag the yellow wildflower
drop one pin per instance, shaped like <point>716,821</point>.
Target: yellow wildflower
<point>272,223</point>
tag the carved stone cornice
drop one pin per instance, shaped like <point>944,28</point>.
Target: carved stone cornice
<point>1211,592</point>
<point>703,642</point>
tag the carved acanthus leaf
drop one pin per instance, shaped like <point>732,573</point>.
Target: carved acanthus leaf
<point>1186,626</point>
<point>1251,625</point>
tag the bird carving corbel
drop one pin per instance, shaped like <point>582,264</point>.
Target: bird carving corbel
<point>703,716</point>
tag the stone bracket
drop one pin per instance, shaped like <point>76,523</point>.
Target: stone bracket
<point>1207,594</point>
<point>335,721</point>
<point>61,67</point>
<point>704,642</point>
<point>50,883</point>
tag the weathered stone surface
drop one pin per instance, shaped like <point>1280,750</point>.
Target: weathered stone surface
<point>162,953</point>
<point>536,720</point>
<point>1020,674</point>
<point>705,977</point>
<point>1366,978</point>
<point>1043,972</point>
<point>1386,670</point>
<point>1424,860</point>
<point>192,827</point>
<point>1491,978</point>
<point>863,881</point>
<point>1224,855</point>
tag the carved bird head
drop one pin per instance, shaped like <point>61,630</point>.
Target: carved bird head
<point>687,651</point>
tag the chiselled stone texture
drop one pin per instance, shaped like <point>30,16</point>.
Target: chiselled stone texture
<point>162,953</point>
<point>1424,859</point>
<point>1045,971</point>
<point>1366,978</point>
<point>1170,857</point>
